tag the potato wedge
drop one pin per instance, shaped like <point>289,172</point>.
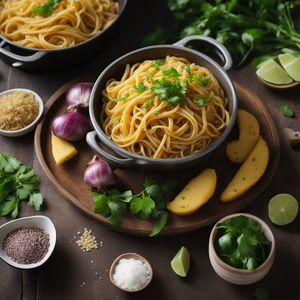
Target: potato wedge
<point>62,150</point>
<point>195,194</point>
<point>249,173</point>
<point>237,151</point>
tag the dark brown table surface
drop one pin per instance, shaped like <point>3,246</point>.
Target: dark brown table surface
<point>72,274</point>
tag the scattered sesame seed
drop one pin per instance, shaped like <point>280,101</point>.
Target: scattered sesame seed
<point>87,241</point>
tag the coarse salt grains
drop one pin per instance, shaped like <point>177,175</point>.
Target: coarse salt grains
<point>131,274</point>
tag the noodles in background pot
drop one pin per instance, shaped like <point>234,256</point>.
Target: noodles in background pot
<point>71,22</point>
<point>166,108</point>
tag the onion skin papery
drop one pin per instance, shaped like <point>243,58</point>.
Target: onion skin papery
<point>78,95</point>
<point>98,174</point>
<point>70,126</point>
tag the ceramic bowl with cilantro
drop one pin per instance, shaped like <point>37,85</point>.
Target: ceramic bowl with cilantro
<point>241,248</point>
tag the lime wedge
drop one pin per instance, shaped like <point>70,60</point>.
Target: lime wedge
<point>291,64</point>
<point>283,209</point>
<point>286,58</point>
<point>181,262</point>
<point>272,72</point>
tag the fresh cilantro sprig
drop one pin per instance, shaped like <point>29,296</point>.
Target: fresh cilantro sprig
<point>245,28</point>
<point>150,203</point>
<point>46,9</point>
<point>158,62</point>
<point>201,80</point>
<point>241,243</point>
<point>140,87</point>
<point>201,101</point>
<point>170,72</point>
<point>188,70</point>
<point>286,110</point>
<point>17,183</point>
<point>123,98</point>
<point>148,103</point>
<point>172,91</point>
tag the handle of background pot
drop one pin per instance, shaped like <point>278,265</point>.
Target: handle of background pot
<point>20,58</point>
<point>91,139</point>
<point>219,47</point>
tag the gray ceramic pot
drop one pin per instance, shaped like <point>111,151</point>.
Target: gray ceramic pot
<point>41,60</point>
<point>121,158</point>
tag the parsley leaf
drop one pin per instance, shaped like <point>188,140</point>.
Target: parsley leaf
<point>8,163</point>
<point>140,87</point>
<point>46,9</point>
<point>117,211</point>
<point>157,63</point>
<point>150,203</point>
<point>17,183</point>
<point>171,91</point>
<point>241,243</point>
<point>35,201</point>
<point>6,187</point>
<point>142,206</point>
<point>160,223</point>
<point>188,70</point>
<point>123,98</point>
<point>8,206</point>
<point>171,72</point>
<point>148,103</point>
<point>201,80</point>
<point>286,110</point>
<point>100,204</point>
<point>201,101</point>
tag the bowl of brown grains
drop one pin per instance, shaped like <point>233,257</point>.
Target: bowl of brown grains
<point>20,111</point>
<point>27,243</point>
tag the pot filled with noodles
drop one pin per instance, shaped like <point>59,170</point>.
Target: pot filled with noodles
<point>162,107</point>
<point>50,34</point>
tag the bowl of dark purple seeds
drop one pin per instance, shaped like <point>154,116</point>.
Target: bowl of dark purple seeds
<point>27,243</point>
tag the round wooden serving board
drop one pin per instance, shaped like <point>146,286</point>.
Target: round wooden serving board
<point>68,178</point>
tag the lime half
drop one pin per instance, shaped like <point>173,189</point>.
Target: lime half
<point>181,262</point>
<point>272,72</point>
<point>283,209</point>
<point>291,64</point>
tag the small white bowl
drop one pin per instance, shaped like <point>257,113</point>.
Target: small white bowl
<point>127,256</point>
<point>35,221</point>
<point>235,275</point>
<point>31,126</point>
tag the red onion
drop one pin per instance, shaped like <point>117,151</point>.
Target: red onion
<point>79,94</point>
<point>70,126</point>
<point>98,173</point>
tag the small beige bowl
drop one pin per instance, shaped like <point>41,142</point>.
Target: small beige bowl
<point>29,127</point>
<point>130,255</point>
<point>235,275</point>
<point>34,221</point>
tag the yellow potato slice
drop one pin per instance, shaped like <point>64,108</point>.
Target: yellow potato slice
<point>62,150</point>
<point>237,151</point>
<point>249,172</point>
<point>195,194</point>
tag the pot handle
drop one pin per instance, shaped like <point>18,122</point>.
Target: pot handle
<point>21,58</point>
<point>112,160</point>
<point>219,47</point>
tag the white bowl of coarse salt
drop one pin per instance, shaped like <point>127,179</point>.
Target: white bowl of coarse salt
<point>130,272</point>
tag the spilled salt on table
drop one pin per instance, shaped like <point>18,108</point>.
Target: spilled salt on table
<point>131,274</point>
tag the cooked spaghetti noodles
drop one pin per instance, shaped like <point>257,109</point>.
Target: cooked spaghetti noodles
<point>71,22</point>
<point>164,109</point>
